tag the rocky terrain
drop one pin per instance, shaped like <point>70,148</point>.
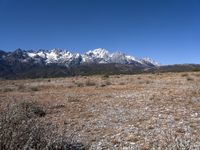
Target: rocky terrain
<point>145,111</point>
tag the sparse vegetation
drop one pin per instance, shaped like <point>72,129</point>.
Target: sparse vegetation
<point>72,99</point>
<point>34,88</point>
<point>102,85</point>
<point>7,89</point>
<point>32,109</point>
<point>121,83</point>
<point>90,83</point>
<point>148,82</point>
<point>185,75</point>
<point>108,82</point>
<point>79,84</point>
<point>20,129</point>
<point>105,76</point>
<point>190,79</point>
<point>153,111</point>
<point>21,87</point>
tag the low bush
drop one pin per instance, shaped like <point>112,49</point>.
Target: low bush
<point>121,83</point>
<point>32,109</point>
<point>105,76</point>
<point>190,79</point>
<point>185,75</point>
<point>7,89</point>
<point>108,83</point>
<point>90,83</point>
<point>34,88</point>
<point>79,84</point>
<point>21,130</point>
<point>21,87</point>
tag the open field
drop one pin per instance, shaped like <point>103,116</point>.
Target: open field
<point>148,111</point>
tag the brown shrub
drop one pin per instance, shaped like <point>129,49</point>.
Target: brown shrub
<point>79,84</point>
<point>105,76</point>
<point>21,87</point>
<point>72,99</point>
<point>7,89</point>
<point>90,83</point>
<point>32,109</point>
<point>34,88</point>
<point>184,75</point>
<point>121,83</point>
<point>108,83</point>
<point>19,129</point>
<point>190,79</point>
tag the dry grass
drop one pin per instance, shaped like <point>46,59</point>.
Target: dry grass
<point>20,128</point>
<point>150,111</point>
<point>90,83</point>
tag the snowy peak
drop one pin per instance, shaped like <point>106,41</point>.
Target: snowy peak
<point>150,60</point>
<point>66,58</point>
<point>100,53</point>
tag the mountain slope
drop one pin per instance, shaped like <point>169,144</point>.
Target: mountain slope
<point>66,58</point>
<point>57,62</point>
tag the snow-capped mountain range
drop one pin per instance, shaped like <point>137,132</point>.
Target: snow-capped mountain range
<point>66,58</point>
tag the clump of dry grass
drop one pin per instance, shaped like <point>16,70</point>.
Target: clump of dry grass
<point>21,87</point>
<point>148,82</point>
<point>34,88</point>
<point>70,86</point>
<point>90,83</point>
<point>184,75</point>
<point>190,79</point>
<point>121,83</point>
<point>57,106</point>
<point>32,109</point>
<point>79,84</point>
<point>72,99</point>
<point>108,83</point>
<point>7,89</point>
<point>20,129</point>
<point>105,76</point>
<point>102,85</point>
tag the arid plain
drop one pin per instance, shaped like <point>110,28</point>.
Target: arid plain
<point>144,111</point>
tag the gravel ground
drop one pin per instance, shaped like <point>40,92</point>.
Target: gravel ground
<point>149,111</point>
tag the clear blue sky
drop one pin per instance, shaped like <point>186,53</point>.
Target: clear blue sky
<point>165,30</point>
